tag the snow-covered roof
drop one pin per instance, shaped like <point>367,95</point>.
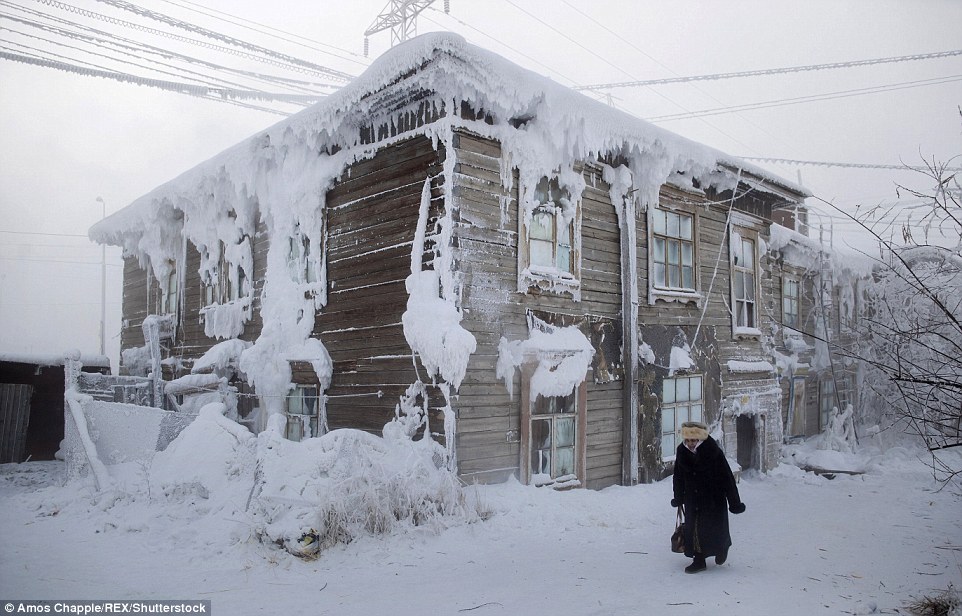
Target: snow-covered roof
<point>570,124</point>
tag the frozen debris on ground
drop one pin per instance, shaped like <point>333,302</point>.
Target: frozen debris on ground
<point>316,493</point>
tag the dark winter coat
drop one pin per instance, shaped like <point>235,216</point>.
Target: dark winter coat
<point>704,484</point>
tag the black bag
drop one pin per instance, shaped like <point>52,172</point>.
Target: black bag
<point>678,537</point>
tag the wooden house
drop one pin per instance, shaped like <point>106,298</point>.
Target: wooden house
<point>554,285</point>
<point>821,299</point>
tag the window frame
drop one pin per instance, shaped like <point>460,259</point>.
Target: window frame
<point>548,197</point>
<point>224,290</point>
<point>295,420</point>
<point>300,262</point>
<point>666,292</point>
<point>170,297</point>
<point>790,299</point>
<point>744,234</point>
<point>528,416</point>
<point>674,405</point>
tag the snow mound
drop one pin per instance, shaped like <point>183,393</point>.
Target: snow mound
<point>210,457</point>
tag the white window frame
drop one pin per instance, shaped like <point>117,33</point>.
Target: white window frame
<point>301,413</point>
<point>658,290</point>
<point>739,269</point>
<point>675,411</point>
<point>300,261</point>
<point>549,200</point>
<point>529,448</point>
<point>224,289</point>
<point>170,295</point>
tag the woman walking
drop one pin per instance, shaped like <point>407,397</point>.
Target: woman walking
<point>705,486</point>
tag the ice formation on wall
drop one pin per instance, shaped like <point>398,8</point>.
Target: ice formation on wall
<point>562,356</point>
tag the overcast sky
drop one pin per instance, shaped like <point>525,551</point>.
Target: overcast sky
<point>68,139</point>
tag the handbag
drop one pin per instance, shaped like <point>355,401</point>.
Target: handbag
<point>678,537</point>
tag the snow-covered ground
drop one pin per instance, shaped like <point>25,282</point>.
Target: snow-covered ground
<point>806,545</point>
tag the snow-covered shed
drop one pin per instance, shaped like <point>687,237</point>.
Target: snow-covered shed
<point>549,284</point>
<point>32,402</point>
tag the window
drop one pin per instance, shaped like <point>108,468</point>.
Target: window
<point>552,435</point>
<point>303,413</point>
<point>681,401</point>
<point>549,252</point>
<point>744,282</point>
<point>299,258</point>
<point>228,282</point>
<point>790,296</point>
<point>168,299</point>
<point>673,250</point>
<point>553,439</point>
<point>549,241</point>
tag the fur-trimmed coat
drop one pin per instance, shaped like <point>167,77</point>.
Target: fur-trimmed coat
<point>704,484</point>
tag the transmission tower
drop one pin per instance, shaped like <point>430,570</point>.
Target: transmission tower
<point>401,17</point>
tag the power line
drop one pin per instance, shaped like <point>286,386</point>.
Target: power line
<point>186,4</point>
<point>46,234</point>
<point>807,99</point>
<point>225,95</point>
<point>108,40</point>
<point>773,71</point>
<point>230,40</point>
<point>816,163</point>
<point>170,35</point>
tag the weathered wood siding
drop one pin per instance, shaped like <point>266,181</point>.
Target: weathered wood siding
<point>372,215</point>
<point>486,238</point>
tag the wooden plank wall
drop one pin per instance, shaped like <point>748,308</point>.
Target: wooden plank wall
<point>487,243</point>
<point>372,217</point>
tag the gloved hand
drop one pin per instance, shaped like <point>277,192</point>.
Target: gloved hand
<point>737,508</point>
<point>675,502</point>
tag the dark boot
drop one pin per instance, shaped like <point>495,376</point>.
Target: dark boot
<point>721,558</point>
<point>696,565</point>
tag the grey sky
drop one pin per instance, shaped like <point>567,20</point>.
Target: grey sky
<point>67,139</point>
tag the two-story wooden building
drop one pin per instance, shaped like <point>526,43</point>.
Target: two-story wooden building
<point>559,284</point>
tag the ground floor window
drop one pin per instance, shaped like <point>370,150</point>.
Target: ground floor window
<point>303,413</point>
<point>553,438</point>
<point>681,401</point>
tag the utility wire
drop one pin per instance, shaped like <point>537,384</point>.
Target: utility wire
<point>309,44</point>
<point>773,71</point>
<point>807,99</point>
<point>215,94</point>
<point>109,38</point>
<point>181,72</point>
<point>176,37</point>
<point>816,163</point>
<point>230,40</point>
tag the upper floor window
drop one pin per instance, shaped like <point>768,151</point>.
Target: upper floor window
<point>549,247</point>
<point>681,401</point>
<point>169,292</point>
<point>790,301</point>
<point>673,250</point>
<point>228,281</point>
<point>744,282</point>
<point>300,261</point>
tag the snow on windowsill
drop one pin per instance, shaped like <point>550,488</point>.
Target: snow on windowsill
<point>673,295</point>
<point>745,367</point>
<point>747,332</point>
<point>551,280</point>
